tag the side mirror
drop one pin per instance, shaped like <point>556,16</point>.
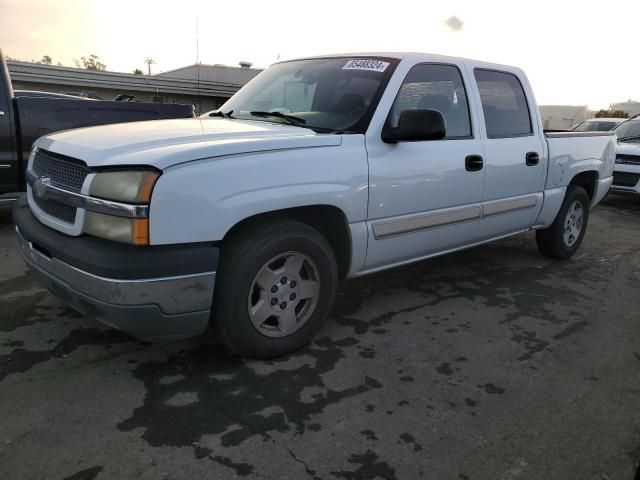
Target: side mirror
<point>416,125</point>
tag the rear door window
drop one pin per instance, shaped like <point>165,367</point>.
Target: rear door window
<point>504,104</point>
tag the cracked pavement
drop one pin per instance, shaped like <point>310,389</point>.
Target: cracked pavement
<point>491,363</point>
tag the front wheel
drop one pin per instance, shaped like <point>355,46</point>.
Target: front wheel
<point>563,238</point>
<point>276,286</point>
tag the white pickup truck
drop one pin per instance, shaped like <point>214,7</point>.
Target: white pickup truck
<point>318,170</point>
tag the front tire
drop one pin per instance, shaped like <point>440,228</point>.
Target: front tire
<point>275,288</point>
<point>563,238</point>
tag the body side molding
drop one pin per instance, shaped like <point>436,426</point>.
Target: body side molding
<point>450,216</point>
<point>422,221</point>
<point>496,207</point>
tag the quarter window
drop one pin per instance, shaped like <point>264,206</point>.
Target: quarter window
<point>506,113</point>
<point>435,87</point>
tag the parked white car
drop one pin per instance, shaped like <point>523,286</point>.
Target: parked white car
<point>317,170</point>
<point>626,174</point>
<point>598,125</point>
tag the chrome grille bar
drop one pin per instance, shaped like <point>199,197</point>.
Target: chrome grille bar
<point>43,188</point>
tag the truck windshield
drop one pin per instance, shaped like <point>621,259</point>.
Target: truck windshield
<point>325,94</point>
<point>629,130</point>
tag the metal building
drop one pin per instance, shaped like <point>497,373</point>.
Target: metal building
<point>563,117</point>
<point>214,73</point>
<point>204,86</point>
<point>630,107</point>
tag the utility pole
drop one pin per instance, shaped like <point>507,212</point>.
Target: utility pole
<point>149,61</point>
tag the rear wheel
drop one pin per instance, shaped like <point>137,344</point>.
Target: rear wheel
<point>275,288</point>
<point>563,238</point>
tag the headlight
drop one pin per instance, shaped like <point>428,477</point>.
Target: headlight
<point>133,187</point>
<point>122,186</point>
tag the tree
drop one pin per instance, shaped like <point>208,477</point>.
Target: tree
<point>91,63</point>
<point>46,59</point>
<point>137,71</point>
<point>611,114</point>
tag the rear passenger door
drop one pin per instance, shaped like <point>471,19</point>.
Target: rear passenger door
<point>515,162</point>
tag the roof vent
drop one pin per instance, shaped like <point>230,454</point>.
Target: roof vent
<point>244,64</point>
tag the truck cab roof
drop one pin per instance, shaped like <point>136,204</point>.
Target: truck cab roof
<point>412,56</point>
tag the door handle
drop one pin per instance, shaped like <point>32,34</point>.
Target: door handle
<point>473,163</point>
<point>533,158</point>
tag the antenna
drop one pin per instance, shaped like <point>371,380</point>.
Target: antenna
<point>198,67</point>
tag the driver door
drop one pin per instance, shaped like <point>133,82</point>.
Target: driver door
<point>425,196</point>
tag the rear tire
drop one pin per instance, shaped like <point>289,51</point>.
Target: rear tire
<point>563,238</point>
<point>265,271</point>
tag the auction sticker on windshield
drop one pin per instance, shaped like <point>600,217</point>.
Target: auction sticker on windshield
<point>370,65</point>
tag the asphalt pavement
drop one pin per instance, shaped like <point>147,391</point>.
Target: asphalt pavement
<point>493,363</point>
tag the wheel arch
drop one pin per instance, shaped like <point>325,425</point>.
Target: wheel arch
<point>554,197</point>
<point>587,180</point>
<point>329,220</point>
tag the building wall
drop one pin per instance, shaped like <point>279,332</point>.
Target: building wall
<point>562,117</point>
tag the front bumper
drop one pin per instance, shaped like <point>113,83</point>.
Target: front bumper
<point>135,299</point>
<point>626,178</point>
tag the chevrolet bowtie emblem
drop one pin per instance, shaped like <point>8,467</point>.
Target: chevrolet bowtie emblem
<point>40,186</point>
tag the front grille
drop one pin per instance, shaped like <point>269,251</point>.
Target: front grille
<point>628,159</point>
<point>624,179</point>
<point>66,213</point>
<point>63,172</point>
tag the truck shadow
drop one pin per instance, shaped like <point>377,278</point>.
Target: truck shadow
<point>622,201</point>
<point>5,214</point>
<point>233,399</point>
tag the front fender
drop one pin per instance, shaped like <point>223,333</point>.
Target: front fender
<point>201,201</point>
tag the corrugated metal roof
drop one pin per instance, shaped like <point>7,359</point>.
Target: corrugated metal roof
<point>213,73</point>
<point>50,74</point>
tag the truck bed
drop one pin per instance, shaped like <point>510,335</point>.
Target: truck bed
<point>568,133</point>
<point>38,116</point>
<point>571,153</point>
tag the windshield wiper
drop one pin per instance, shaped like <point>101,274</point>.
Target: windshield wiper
<point>298,122</point>
<point>220,113</point>
<point>631,137</point>
<point>291,120</point>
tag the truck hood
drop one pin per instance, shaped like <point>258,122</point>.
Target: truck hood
<point>164,143</point>
<point>628,148</point>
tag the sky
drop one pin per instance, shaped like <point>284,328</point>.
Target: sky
<point>574,52</point>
